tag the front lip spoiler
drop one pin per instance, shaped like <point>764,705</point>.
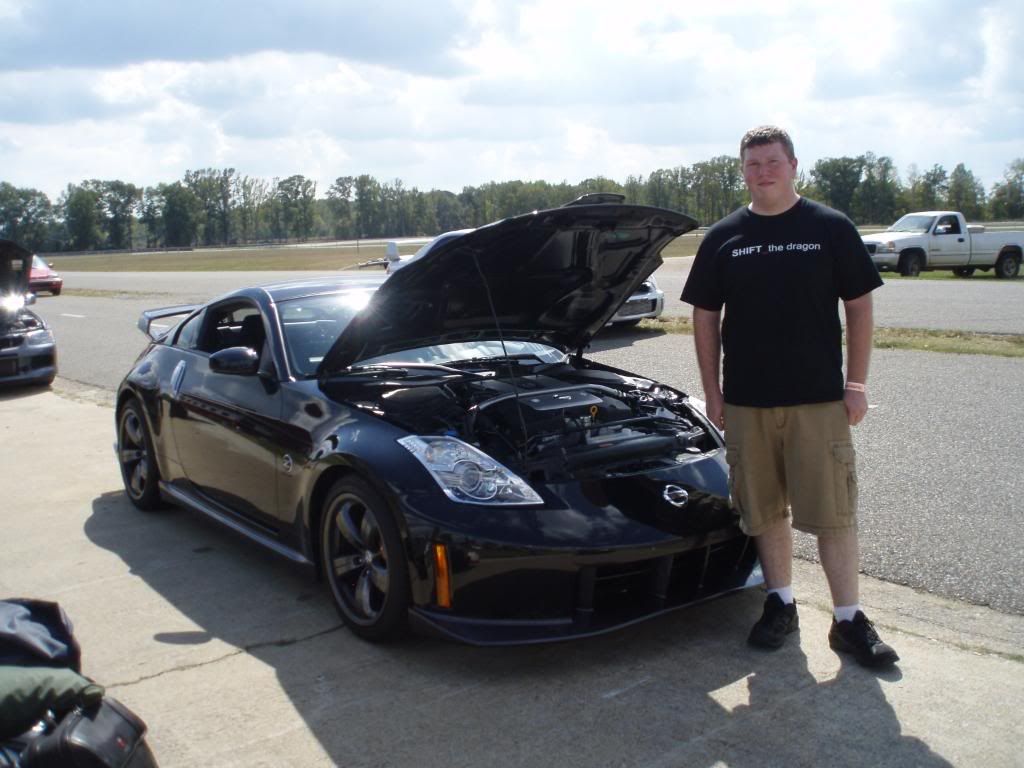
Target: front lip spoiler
<point>492,632</point>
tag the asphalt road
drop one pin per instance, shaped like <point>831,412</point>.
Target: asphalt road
<point>940,452</point>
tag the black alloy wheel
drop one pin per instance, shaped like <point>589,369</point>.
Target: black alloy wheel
<point>363,561</point>
<point>1008,266</point>
<point>135,456</point>
<point>963,271</point>
<point>910,264</point>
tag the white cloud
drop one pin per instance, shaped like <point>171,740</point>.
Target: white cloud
<point>460,93</point>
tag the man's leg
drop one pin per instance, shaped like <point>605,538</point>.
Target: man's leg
<point>851,631</point>
<point>840,557</point>
<point>775,550</point>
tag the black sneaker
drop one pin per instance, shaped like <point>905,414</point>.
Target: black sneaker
<point>860,638</point>
<point>777,621</point>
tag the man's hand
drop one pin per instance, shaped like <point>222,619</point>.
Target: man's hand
<point>716,408</point>
<point>856,406</point>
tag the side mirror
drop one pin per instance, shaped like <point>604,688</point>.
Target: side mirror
<point>30,298</point>
<point>942,229</point>
<point>236,361</point>
<point>391,251</point>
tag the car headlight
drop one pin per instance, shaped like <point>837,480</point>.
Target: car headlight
<point>889,247</point>
<point>12,302</point>
<point>467,474</point>
<point>39,338</point>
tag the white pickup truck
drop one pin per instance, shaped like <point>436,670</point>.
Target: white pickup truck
<point>943,240</point>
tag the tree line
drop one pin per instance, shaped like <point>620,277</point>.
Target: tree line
<point>212,207</point>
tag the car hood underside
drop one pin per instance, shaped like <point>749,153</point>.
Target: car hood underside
<point>554,276</point>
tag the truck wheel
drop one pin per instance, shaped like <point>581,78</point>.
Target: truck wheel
<point>1008,266</point>
<point>910,264</point>
<point>963,271</point>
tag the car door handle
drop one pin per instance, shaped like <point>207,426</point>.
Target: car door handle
<point>959,239</point>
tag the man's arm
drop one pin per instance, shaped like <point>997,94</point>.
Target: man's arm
<point>707,337</point>
<point>859,330</point>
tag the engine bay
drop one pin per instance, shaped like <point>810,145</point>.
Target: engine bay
<point>549,421</point>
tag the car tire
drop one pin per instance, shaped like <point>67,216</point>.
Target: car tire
<point>363,561</point>
<point>137,459</point>
<point>1007,266</point>
<point>55,293</point>
<point>910,264</point>
<point>963,271</point>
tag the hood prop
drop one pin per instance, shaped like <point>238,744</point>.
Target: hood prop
<point>504,353</point>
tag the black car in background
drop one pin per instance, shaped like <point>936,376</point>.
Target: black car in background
<point>437,446</point>
<point>28,351</point>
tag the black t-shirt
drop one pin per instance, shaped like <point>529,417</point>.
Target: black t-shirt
<point>780,279</point>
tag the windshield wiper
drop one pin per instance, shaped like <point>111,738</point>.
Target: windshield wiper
<point>406,369</point>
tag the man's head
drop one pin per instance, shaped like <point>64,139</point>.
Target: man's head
<point>767,134</point>
<point>769,169</point>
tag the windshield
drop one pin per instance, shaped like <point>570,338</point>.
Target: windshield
<point>38,263</point>
<point>912,222</point>
<point>311,324</point>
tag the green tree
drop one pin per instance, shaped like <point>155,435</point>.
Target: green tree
<point>1007,198</point>
<point>120,201</point>
<point>339,199</point>
<point>83,216</point>
<point>837,179</point>
<point>26,216</point>
<point>181,215</point>
<point>875,199</point>
<point>295,197</point>
<point>965,193</point>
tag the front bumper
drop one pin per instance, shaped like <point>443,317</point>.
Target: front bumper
<point>28,365</point>
<point>640,306</point>
<point>528,597</point>
<point>50,286</point>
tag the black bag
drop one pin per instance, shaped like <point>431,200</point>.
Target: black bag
<point>106,735</point>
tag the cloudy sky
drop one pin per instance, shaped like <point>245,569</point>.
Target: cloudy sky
<point>448,93</point>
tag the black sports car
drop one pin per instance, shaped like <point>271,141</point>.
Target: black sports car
<point>437,446</point>
<point>28,351</point>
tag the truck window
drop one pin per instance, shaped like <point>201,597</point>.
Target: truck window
<point>948,225</point>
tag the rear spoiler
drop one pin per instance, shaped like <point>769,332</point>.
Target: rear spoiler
<point>149,316</point>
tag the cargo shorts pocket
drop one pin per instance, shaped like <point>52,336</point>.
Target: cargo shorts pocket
<point>845,473</point>
<point>732,458</point>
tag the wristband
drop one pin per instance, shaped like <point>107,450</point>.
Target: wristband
<point>854,386</point>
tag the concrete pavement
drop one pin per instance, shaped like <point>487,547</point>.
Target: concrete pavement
<point>236,658</point>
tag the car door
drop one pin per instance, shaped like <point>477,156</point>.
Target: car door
<point>225,425</point>
<point>950,246</point>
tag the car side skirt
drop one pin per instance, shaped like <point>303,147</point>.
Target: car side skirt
<point>179,496</point>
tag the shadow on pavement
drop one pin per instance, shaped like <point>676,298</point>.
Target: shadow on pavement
<point>681,690</point>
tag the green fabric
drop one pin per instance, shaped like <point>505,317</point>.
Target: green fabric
<point>27,692</point>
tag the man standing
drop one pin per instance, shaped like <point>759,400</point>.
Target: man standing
<point>779,267</point>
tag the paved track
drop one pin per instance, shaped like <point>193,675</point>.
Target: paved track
<point>941,451</point>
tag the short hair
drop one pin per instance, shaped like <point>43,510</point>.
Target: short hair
<point>767,134</point>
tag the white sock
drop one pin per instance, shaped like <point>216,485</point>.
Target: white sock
<point>845,612</point>
<point>784,593</point>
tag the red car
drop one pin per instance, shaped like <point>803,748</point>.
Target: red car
<point>43,278</point>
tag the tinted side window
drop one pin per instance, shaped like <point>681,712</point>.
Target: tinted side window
<point>188,333</point>
<point>231,325</point>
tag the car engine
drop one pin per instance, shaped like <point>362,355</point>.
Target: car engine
<point>565,422</point>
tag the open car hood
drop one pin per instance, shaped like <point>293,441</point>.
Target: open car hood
<point>554,276</point>
<point>15,268</point>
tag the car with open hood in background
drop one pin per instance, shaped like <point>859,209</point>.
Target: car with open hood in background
<point>28,351</point>
<point>436,444</point>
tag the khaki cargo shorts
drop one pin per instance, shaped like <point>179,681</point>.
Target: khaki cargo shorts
<point>795,460</point>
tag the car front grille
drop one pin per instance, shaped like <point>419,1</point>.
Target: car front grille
<point>10,342</point>
<point>871,247</point>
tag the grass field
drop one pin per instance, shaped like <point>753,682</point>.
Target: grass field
<point>259,258</point>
